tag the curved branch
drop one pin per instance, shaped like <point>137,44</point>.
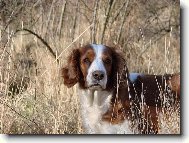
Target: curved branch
<point>42,40</point>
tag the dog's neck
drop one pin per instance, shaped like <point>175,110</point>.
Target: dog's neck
<point>96,97</point>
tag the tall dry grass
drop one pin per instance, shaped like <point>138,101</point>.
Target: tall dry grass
<point>34,100</point>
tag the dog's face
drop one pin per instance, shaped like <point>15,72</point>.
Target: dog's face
<point>94,66</point>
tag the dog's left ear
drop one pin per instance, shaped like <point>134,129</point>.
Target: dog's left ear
<point>71,72</point>
<point>119,69</point>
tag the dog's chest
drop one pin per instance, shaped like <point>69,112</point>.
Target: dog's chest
<point>93,107</point>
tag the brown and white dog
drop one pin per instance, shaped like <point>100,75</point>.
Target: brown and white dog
<point>112,100</point>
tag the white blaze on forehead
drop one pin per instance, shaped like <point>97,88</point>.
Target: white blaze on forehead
<point>98,50</point>
<point>97,64</point>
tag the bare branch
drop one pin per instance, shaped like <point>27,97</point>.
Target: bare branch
<point>94,22</point>
<point>123,21</point>
<point>86,5</point>
<point>118,12</point>
<point>106,19</point>
<point>42,40</point>
<point>59,29</point>
<point>75,20</point>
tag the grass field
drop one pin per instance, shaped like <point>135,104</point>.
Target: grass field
<point>33,99</point>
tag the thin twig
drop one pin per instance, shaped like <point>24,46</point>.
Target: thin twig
<point>59,29</point>
<point>93,40</point>
<point>75,20</point>
<point>118,12</point>
<point>123,21</point>
<point>49,17</point>
<point>69,46</point>
<point>107,15</point>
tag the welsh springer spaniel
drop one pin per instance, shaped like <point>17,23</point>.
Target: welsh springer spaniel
<point>112,100</point>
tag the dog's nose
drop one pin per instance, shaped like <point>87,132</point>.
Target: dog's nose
<point>99,75</point>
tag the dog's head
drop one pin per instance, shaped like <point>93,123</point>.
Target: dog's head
<point>95,67</point>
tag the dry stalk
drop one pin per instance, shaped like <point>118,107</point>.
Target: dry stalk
<point>93,39</point>
<point>59,29</point>
<point>107,15</point>
<point>122,23</point>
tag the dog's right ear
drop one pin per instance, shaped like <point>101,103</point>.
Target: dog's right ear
<point>71,72</point>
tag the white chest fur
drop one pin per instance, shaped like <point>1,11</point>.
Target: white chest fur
<point>93,105</point>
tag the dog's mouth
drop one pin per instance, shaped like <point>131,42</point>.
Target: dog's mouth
<point>95,86</point>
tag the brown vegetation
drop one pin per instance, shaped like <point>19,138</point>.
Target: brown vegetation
<point>33,99</point>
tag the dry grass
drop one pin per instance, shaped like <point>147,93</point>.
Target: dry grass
<point>43,104</point>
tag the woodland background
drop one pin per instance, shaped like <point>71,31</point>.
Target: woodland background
<point>36,36</point>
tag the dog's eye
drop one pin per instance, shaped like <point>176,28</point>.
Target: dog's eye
<point>107,61</point>
<point>86,60</point>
